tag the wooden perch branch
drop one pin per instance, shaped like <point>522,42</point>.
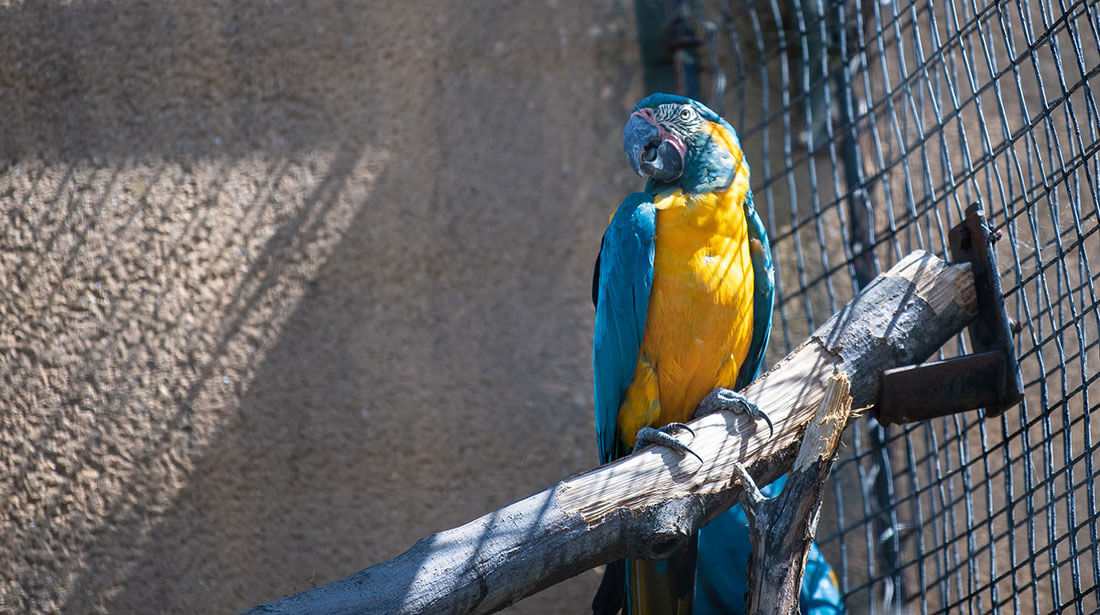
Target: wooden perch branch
<point>648,503</point>
<point>782,528</point>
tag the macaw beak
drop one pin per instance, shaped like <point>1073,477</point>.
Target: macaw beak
<point>652,151</point>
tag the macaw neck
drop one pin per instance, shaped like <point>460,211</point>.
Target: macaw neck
<point>713,162</point>
<point>715,175</point>
<point>713,188</point>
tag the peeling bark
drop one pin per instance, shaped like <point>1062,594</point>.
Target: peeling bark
<point>782,528</point>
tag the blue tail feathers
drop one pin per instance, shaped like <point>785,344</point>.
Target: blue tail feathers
<point>722,566</point>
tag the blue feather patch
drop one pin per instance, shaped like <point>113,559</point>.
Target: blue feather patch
<point>624,280</point>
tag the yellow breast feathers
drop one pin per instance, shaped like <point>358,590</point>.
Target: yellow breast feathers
<point>699,321</point>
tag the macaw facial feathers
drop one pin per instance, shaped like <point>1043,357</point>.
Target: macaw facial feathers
<point>653,150</point>
<point>679,143</point>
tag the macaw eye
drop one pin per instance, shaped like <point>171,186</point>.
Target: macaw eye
<point>687,114</point>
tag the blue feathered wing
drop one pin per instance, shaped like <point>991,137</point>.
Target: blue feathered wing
<point>621,285</point>
<point>763,272</point>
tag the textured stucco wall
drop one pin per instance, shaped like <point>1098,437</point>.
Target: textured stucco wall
<point>285,286</point>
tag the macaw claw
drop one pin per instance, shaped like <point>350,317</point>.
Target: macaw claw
<point>663,437</point>
<point>727,399</point>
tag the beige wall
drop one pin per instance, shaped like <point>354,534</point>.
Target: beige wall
<point>286,286</point>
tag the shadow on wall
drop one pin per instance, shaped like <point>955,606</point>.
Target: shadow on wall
<point>289,287</point>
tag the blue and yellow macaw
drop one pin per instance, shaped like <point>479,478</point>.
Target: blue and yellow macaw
<point>684,288</point>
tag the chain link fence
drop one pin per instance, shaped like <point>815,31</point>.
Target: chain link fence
<point>871,126</point>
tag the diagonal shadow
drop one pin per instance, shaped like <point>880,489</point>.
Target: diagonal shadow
<point>267,419</point>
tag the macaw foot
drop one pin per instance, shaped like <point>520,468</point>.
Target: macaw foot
<point>727,399</point>
<point>663,437</point>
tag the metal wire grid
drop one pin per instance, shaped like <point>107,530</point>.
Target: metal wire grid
<point>870,127</point>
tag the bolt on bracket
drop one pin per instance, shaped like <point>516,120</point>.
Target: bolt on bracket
<point>990,377</point>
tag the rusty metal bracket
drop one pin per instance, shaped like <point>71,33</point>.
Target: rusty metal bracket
<point>989,378</point>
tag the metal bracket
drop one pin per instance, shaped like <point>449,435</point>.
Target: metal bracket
<point>990,377</point>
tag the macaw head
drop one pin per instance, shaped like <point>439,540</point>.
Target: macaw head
<point>679,142</point>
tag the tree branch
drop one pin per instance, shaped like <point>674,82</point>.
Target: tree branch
<point>647,504</point>
<point>782,528</point>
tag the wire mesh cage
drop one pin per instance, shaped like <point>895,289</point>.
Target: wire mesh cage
<point>870,127</point>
